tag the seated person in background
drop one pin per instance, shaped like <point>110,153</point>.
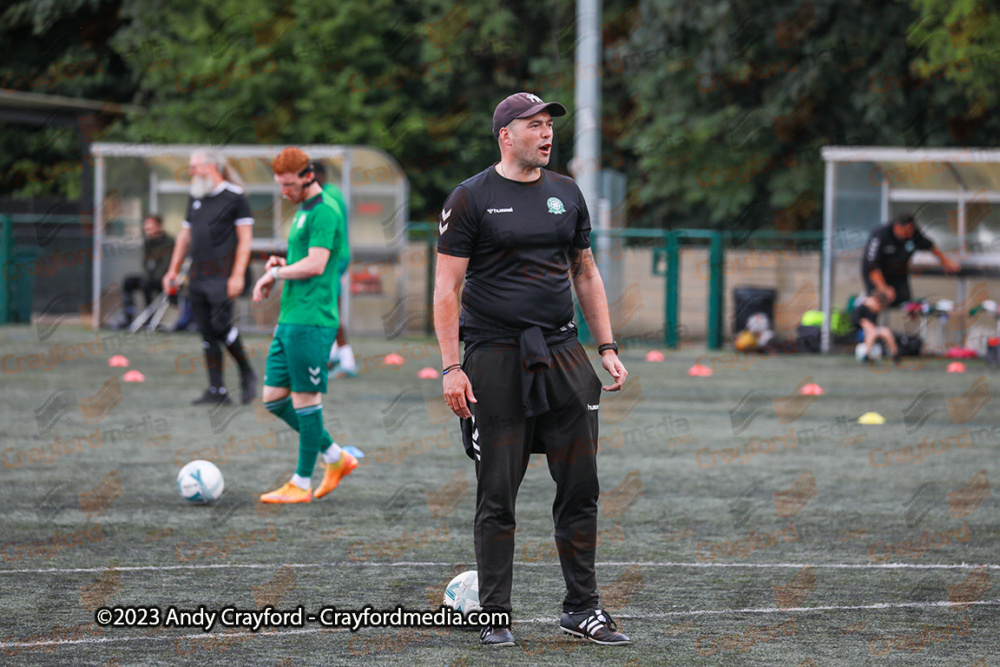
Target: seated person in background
<point>157,247</point>
<point>864,318</point>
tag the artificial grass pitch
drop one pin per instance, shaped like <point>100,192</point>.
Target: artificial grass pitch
<point>741,522</point>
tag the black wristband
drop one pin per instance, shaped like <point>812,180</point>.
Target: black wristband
<point>601,349</point>
<point>450,368</point>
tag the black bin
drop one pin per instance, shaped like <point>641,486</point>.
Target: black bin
<point>750,300</point>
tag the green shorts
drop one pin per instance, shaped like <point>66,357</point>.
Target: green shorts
<point>298,357</point>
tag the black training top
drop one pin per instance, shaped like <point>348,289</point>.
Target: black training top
<point>213,221</point>
<point>156,255</point>
<point>884,251</point>
<point>517,237</point>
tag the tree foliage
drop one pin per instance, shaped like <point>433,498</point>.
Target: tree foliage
<point>732,121</point>
<point>714,111</point>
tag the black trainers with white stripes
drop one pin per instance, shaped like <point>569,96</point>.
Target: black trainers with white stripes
<point>496,636</point>
<point>594,625</point>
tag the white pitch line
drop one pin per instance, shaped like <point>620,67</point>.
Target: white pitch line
<point>789,610</point>
<point>265,566</point>
<point>799,566</point>
<point>531,621</point>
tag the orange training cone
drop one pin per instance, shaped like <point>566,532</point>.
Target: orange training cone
<point>134,376</point>
<point>428,373</point>
<point>393,359</point>
<point>956,367</point>
<point>811,389</point>
<point>699,371</point>
<point>117,360</point>
<point>655,356</point>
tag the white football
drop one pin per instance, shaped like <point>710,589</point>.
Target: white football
<point>200,482</point>
<point>874,354</point>
<point>758,323</point>
<point>462,592</point>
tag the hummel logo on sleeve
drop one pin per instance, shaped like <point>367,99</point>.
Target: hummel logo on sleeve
<point>509,209</point>
<point>873,249</point>
<point>593,407</point>
<point>443,226</point>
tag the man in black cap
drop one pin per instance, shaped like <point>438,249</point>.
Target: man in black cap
<point>518,234</point>
<point>885,266</point>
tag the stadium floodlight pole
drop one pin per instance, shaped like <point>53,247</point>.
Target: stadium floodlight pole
<point>98,221</point>
<point>587,132</point>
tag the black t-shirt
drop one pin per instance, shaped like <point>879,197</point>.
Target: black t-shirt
<point>517,237</point>
<point>862,312</point>
<point>213,221</point>
<point>884,251</point>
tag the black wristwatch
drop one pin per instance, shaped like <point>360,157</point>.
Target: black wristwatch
<point>601,349</point>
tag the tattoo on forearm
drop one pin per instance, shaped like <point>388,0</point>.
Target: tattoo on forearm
<point>580,261</point>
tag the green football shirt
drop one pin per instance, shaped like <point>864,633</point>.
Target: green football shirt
<point>335,198</point>
<point>313,301</point>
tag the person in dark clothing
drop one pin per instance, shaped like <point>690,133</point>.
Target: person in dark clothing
<point>519,235</point>
<point>886,263</point>
<point>864,322</point>
<point>218,230</point>
<point>157,247</point>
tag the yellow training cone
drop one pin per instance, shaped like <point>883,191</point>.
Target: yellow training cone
<point>871,418</point>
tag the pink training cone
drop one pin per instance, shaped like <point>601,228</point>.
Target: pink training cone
<point>699,371</point>
<point>655,356</point>
<point>956,367</point>
<point>117,360</point>
<point>393,359</point>
<point>134,376</point>
<point>811,389</point>
<point>428,373</point>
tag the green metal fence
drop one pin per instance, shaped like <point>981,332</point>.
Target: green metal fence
<point>665,247</point>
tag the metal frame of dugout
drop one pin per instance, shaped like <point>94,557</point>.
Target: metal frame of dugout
<point>131,180</point>
<point>864,183</point>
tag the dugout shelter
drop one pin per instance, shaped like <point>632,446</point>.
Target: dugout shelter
<point>132,180</point>
<point>953,193</point>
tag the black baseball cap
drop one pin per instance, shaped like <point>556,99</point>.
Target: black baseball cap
<point>522,105</point>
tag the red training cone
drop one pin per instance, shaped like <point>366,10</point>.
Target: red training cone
<point>699,371</point>
<point>134,376</point>
<point>655,356</point>
<point>428,373</point>
<point>117,360</point>
<point>393,359</point>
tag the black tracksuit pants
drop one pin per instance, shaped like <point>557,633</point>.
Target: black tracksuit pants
<point>505,439</point>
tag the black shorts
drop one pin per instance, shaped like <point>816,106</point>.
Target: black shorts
<point>901,287</point>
